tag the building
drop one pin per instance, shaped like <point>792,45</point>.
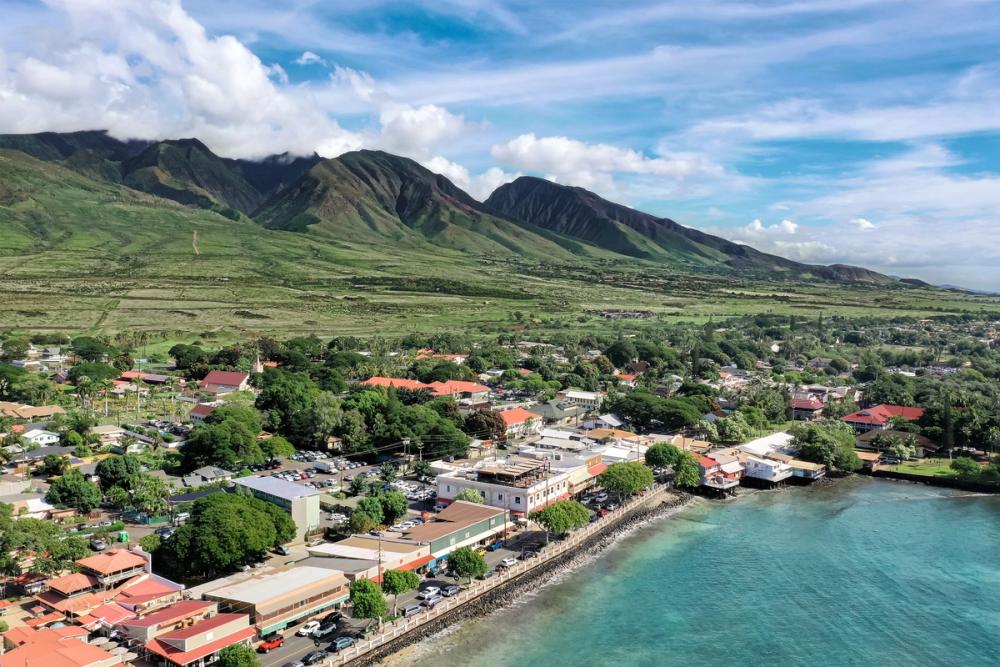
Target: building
<point>713,477</point>
<point>521,423</point>
<point>100,579</point>
<point>559,413</point>
<point>518,485</point>
<point>108,434</point>
<point>274,601</point>
<point>40,437</point>
<point>23,411</point>
<point>767,470</point>
<point>454,388</point>
<point>461,524</point>
<point>807,471</point>
<point>807,409</point>
<point>183,613</point>
<point>590,401</point>
<point>370,555</point>
<point>207,475</point>
<point>53,647</point>
<point>302,502</point>
<point>199,644</point>
<point>224,382</point>
<point>879,417</point>
<point>880,440</point>
<point>200,412</point>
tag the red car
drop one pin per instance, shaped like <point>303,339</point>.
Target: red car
<point>271,643</point>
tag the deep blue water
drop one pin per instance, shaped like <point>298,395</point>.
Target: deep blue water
<point>857,573</point>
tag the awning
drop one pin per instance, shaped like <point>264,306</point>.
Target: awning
<point>594,471</point>
<point>420,562</point>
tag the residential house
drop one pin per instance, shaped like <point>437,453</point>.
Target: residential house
<point>108,434</point>
<point>881,440</point>
<point>590,401</point>
<point>40,437</point>
<point>200,412</point>
<point>879,417</point>
<point>769,471</point>
<point>807,409</point>
<point>224,382</point>
<point>714,477</point>
<point>559,413</point>
<point>207,475</point>
<point>521,423</point>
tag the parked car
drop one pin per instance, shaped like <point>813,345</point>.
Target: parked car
<point>307,628</point>
<point>294,663</point>
<point>166,532</point>
<point>496,546</point>
<point>489,575</point>
<point>507,562</point>
<point>98,545</point>
<point>281,550</point>
<point>449,590</point>
<point>314,657</point>
<point>325,629</point>
<point>340,643</point>
<point>428,592</point>
<point>411,610</point>
<point>528,553</point>
<point>270,643</point>
<point>611,507</point>
<point>432,601</point>
<point>333,617</point>
<point>601,498</point>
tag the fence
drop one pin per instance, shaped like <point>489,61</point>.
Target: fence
<point>402,626</point>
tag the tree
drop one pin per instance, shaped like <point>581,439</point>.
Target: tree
<point>470,495</point>
<point>54,464</point>
<point>73,490</point>
<point>686,472</point>
<point>396,582</point>
<point>226,444</point>
<point>360,485</point>
<point>662,454</point>
<point>387,472</point>
<point>733,429</point>
<point>367,599</point>
<point>485,425</point>
<point>277,447</point>
<point>829,443</point>
<point>150,543</point>
<point>238,655</point>
<point>465,562</point>
<point>119,471</point>
<point>625,478</point>
<point>562,516</point>
<point>225,531</point>
<point>421,468</point>
<point>966,468</point>
<point>362,522</point>
<point>394,506</point>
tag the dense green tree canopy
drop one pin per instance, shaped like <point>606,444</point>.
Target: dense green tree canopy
<point>563,516</point>
<point>73,490</point>
<point>465,562</point>
<point>626,478</point>
<point>829,443</point>
<point>367,600</point>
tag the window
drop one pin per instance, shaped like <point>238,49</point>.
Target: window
<point>500,496</point>
<point>517,500</point>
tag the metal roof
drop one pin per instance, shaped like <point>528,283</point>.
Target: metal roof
<point>278,487</point>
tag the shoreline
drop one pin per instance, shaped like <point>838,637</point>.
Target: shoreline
<point>517,591</point>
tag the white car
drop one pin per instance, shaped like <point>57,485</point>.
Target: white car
<point>508,562</point>
<point>307,629</point>
<point>428,592</point>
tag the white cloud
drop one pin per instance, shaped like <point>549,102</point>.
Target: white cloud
<point>757,229</point>
<point>594,166</point>
<point>413,131</point>
<point>863,224</point>
<point>309,58</point>
<point>480,186</point>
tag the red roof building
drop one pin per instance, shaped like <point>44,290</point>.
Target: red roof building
<point>220,382</point>
<point>196,643</point>
<point>806,408</point>
<point>459,388</point>
<point>54,647</point>
<point>879,417</point>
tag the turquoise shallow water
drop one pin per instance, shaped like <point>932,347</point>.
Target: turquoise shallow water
<point>857,573</point>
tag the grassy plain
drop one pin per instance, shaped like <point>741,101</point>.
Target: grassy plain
<point>926,467</point>
<point>77,255</point>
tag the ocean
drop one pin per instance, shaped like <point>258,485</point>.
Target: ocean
<point>859,572</point>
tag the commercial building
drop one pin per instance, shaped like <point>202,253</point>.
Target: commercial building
<point>365,553</point>
<point>273,601</point>
<point>879,417</point>
<point>302,502</point>
<point>53,647</point>
<point>516,484</point>
<point>590,401</point>
<point>461,524</point>
<point>200,643</point>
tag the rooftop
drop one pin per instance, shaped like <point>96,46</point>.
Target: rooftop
<point>109,562</point>
<point>277,487</point>
<point>175,612</point>
<point>269,588</point>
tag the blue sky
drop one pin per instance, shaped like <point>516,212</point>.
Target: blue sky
<point>855,131</point>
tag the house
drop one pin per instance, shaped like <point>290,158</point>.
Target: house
<point>819,363</point>
<point>879,417</point>
<point>108,434</point>
<point>767,470</point>
<point>207,475</point>
<point>224,382</point>
<point>628,380</point>
<point>302,502</point>
<point>40,437</point>
<point>200,412</point>
<point>879,441</point>
<point>521,423</point>
<point>559,413</point>
<point>275,601</point>
<point>807,471</point>
<point>807,409</point>
<point>869,460</point>
<point>23,411</point>
<point>454,388</point>
<point>713,477</point>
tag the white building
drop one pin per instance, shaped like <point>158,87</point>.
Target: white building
<point>588,400</point>
<point>302,502</point>
<point>516,484</point>
<point>41,437</point>
<point>767,469</point>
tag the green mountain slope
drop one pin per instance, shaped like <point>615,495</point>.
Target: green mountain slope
<point>381,198</point>
<point>584,215</point>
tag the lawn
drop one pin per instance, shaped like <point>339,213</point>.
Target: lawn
<point>926,467</point>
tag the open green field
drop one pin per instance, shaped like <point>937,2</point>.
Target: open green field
<point>926,467</point>
<point>77,255</point>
